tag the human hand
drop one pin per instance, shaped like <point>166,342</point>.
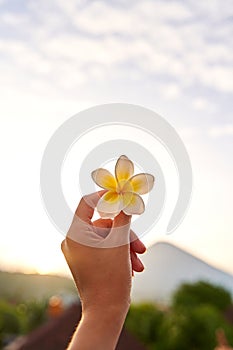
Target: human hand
<point>102,275</point>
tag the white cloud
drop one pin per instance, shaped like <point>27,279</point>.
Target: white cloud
<point>100,17</point>
<point>165,11</point>
<point>202,104</point>
<point>221,130</point>
<point>213,9</point>
<point>78,42</point>
<point>12,19</point>
<point>170,91</point>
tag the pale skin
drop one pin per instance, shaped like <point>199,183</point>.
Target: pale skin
<point>103,278</point>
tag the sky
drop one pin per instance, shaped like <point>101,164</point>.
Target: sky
<point>59,57</point>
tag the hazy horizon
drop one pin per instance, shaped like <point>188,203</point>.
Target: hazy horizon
<point>68,274</point>
<point>60,57</point>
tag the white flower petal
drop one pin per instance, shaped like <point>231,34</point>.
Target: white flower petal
<point>107,215</point>
<point>136,204</point>
<point>142,183</point>
<point>103,178</point>
<point>110,203</point>
<point>124,168</point>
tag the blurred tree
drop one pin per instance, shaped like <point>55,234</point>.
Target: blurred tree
<point>36,314</point>
<point>9,322</point>
<point>191,295</point>
<point>190,323</point>
<point>144,321</point>
<point>20,319</point>
<point>192,328</point>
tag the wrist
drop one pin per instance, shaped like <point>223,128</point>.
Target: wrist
<point>99,326</point>
<point>105,312</point>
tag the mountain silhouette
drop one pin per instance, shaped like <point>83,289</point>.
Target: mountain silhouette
<point>166,267</point>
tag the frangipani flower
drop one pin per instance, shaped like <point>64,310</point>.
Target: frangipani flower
<point>123,190</point>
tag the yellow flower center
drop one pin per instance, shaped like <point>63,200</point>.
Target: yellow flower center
<point>123,186</point>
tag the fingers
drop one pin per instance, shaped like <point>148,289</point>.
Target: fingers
<point>121,220</point>
<point>104,223</point>
<point>87,206</point>
<point>137,265</point>
<point>102,227</point>
<point>119,233</point>
<point>137,246</point>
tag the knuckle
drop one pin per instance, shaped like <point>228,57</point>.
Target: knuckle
<point>63,246</point>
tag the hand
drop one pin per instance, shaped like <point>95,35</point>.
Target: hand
<point>102,275</point>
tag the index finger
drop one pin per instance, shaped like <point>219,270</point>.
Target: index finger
<point>87,204</point>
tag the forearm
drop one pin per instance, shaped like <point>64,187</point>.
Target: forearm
<point>99,329</point>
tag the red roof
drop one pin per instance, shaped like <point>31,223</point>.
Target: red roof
<point>229,314</point>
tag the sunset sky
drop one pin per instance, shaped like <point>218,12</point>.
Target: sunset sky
<point>59,57</point>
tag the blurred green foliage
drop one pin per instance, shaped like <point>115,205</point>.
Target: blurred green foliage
<point>191,295</point>
<point>190,322</point>
<point>17,319</point>
<point>144,320</point>
<point>23,301</point>
<point>196,312</point>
